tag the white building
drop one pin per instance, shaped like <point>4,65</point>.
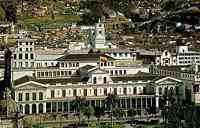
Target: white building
<point>98,38</point>
<point>24,55</point>
<point>52,95</point>
<point>182,56</point>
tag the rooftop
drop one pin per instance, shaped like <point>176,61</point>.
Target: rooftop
<point>83,57</point>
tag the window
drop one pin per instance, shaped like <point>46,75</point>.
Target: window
<point>104,80</point>
<point>120,72</point>
<point>111,72</point>
<point>52,94</point>
<point>77,64</point>
<point>20,49</point>
<point>125,54</point>
<point>27,49</point>
<point>26,64</point>
<point>45,64</point>
<point>125,90</point>
<point>34,96</point>
<point>31,56</point>
<point>20,56</point>
<point>20,43</point>
<point>31,43</point>
<point>111,63</point>
<point>62,64</point>
<point>26,43</point>
<point>20,64</point>
<point>38,74</point>
<point>31,49</point>
<point>125,72</point>
<point>58,73</point>
<point>32,64</point>
<point>70,64</point>
<point>27,96</point>
<point>15,56</point>
<point>20,97</point>
<point>70,72</point>
<point>40,96</point>
<point>26,56</point>
<point>46,74</point>
<point>62,73</point>
<point>116,72</point>
<point>135,90</point>
<point>94,80</point>
<point>63,93</point>
<point>196,88</point>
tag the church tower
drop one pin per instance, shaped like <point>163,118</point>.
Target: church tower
<point>99,40</point>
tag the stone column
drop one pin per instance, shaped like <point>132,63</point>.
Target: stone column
<point>44,108</point>
<point>157,97</point>
<point>30,108</point>
<point>51,107</point>
<point>56,106</point>
<point>136,102</point>
<point>23,108</point>
<point>68,106</point>
<point>146,102</point>
<point>131,105</point>
<point>126,103</point>
<point>120,101</point>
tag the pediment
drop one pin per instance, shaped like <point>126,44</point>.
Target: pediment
<point>98,71</point>
<point>168,80</point>
<point>31,85</point>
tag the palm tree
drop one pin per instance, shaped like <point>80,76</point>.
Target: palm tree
<point>110,102</point>
<point>88,111</point>
<point>98,112</point>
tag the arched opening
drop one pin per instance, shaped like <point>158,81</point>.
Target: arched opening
<point>20,108</point>
<point>27,109</point>
<point>171,91</point>
<point>160,90</point>
<point>40,108</point>
<point>34,108</point>
<point>135,90</point>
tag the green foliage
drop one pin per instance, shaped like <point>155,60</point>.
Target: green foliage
<point>87,111</point>
<point>2,14</point>
<point>119,113</point>
<point>131,112</point>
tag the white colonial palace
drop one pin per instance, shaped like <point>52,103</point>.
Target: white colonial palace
<point>49,93</point>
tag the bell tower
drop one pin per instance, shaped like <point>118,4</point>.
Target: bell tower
<point>99,36</point>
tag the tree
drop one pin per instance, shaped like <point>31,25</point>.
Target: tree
<point>131,112</point>
<point>98,112</point>
<point>118,112</point>
<point>77,104</point>
<point>2,14</point>
<point>88,111</point>
<point>110,103</point>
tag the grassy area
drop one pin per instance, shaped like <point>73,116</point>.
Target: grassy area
<point>30,22</point>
